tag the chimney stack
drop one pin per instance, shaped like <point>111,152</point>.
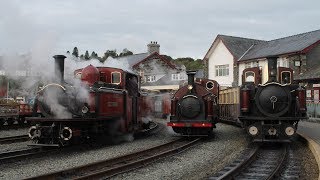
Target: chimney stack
<point>153,46</point>
<point>59,67</point>
<point>191,75</point>
<point>272,69</point>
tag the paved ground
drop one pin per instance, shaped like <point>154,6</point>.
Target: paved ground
<point>310,129</point>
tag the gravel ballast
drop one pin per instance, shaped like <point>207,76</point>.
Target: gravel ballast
<point>194,163</point>
<point>13,132</point>
<point>198,162</point>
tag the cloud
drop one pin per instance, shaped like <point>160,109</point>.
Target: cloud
<point>182,28</point>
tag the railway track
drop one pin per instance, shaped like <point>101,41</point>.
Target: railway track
<point>18,154</point>
<point>257,163</point>
<point>111,167</point>
<point>12,139</point>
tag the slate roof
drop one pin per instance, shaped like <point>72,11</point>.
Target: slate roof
<point>286,45</point>
<point>199,73</point>
<point>238,45</point>
<point>133,59</point>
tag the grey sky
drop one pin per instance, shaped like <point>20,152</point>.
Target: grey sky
<point>182,28</point>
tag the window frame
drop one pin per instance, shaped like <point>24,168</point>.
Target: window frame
<point>115,72</point>
<point>222,70</point>
<point>290,77</point>
<point>254,76</point>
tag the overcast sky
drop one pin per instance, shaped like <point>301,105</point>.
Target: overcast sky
<point>183,28</point>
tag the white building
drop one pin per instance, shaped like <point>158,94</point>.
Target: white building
<point>228,56</point>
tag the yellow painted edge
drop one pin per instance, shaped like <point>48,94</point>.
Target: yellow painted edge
<point>315,149</point>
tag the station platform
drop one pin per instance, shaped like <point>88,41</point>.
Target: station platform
<point>310,129</point>
<point>311,132</point>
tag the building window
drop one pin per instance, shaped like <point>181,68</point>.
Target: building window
<point>249,76</point>
<point>150,78</point>
<point>177,77</point>
<point>285,63</point>
<point>222,70</point>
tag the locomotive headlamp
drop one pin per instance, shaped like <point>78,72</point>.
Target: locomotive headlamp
<point>190,87</point>
<point>289,131</point>
<point>85,110</point>
<point>253,130</point>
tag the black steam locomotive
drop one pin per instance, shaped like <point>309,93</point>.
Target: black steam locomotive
<point>194,107</point>
<point>271,111</point>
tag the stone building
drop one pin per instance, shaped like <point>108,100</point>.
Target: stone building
<point>156,71</point>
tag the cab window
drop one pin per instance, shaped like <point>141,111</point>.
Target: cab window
<point>115,78</point>
<point>285,77</point>
<point>249,76</point>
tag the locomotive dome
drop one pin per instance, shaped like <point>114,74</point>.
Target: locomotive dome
<point>90,75</point>
<point>273,100</point>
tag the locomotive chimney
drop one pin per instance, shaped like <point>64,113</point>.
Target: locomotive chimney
<point>59,67</point>
<point>191,77</point>
<point>272,69</point>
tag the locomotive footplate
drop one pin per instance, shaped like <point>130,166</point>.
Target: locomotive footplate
<point>258,118</point>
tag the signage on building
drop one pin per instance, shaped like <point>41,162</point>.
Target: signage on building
<point>316,85</point>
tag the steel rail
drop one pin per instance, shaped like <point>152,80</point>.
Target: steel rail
<point>12,139</point>
<point>111,167</point>
<point>236,171</point>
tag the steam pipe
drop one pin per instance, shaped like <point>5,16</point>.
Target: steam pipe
<point>59,67</point>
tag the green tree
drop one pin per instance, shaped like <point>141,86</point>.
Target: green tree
<point>86,55</point>
<point>94,55</point>
<point>125,52</point>
<point>75,52</point>
<point>108,53</point>
<point>82,56</point>
<point>190,63</point>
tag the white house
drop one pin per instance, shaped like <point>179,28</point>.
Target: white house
<point>228,56</point>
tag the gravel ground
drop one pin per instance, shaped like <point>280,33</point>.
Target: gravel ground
<point>13,132</point>
<point>198,162</point>
<point>303,159</point>
<point>67,159</point>
<point>14,146</point>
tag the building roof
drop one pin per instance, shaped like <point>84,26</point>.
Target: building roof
<point>133,59</point>
<point>282,46</point>
<point>238,45</point>
<point>136,59</point>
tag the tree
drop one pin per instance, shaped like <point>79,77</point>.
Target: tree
<point>68,52</point>
<point>94,55</point>
<point>125,52</point>
<point>190,63</point>
<point>86,55</point>
<point>112,53</point>
<point>75,52</point>
<point>82,56</point>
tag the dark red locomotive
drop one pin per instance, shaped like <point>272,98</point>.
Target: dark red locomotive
<point>194,108</point>
<point>271,111</point>
<point>108,103</point>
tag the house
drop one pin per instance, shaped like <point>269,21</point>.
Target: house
<point>229,55</point>
<point>156,71</point>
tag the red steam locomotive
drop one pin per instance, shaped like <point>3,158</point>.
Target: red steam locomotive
<point>194,107</point>
<point>108,103</point>
<point>271,111</point>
